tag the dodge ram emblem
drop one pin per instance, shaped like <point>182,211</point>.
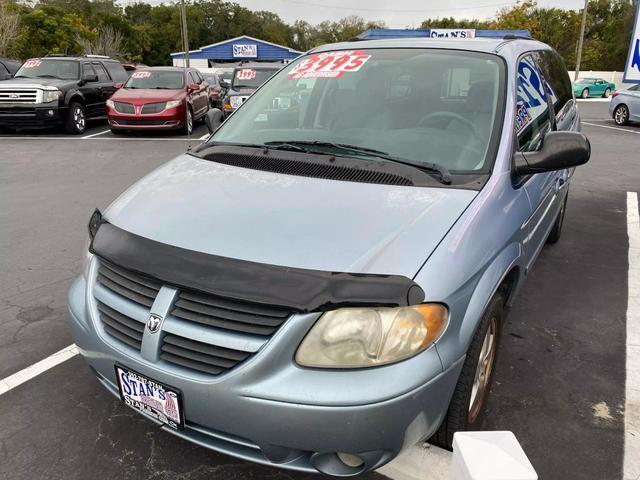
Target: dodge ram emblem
<point>153,323</point>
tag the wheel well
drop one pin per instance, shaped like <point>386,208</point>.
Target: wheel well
<point>508,285</point>
<point>76,98</point>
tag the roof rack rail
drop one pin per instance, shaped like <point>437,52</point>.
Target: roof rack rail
<point>511,36</point>
<point>91,55</point>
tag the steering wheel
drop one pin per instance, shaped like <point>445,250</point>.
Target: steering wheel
<point>451,116</point>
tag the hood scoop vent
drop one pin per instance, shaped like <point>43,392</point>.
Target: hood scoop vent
<point>313,169</point>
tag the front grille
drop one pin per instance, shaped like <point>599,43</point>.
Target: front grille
<point>123,107</point>
<point>269,163</point>
<point>135,121</point>
<point>19,111</point>
<point>148,108</point>
<point>135,287</point>
<point>200,356</point>
<point>18,95</point>
<point>229,314</point>
<point>121,327</point>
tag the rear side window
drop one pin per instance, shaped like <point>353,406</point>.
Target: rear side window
<point>532,111</point>
<point>193,78</point>
<point>116,71</point>
<point>102,73</point>
<point>557,78</point>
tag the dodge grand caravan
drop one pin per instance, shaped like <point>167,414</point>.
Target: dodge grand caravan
<point>323,282</point>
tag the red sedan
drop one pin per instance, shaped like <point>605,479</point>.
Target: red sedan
<point>159,98</point>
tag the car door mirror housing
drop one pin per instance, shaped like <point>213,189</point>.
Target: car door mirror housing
<point>224,84</point>
<point>193,87</point>
<point>559,150</point>
<point>119,85</point>
<point>213,119</point>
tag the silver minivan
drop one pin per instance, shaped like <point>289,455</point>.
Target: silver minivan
<point>323,282</point>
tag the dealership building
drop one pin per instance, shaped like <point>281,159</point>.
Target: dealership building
<point>234,51</point>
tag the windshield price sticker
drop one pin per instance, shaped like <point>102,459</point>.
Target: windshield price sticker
<point>329,64</point>
<point>33,63</point>
<point>141,75</point>
<point>246,74</point>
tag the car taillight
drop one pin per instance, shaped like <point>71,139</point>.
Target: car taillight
<point>614,94</point>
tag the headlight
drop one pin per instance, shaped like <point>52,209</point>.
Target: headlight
<point>174,103</point>
<point>367,337</point>
<point>111,104</point>
<point>50,95</point>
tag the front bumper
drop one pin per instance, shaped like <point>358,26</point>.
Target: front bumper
<point>41,115</point>
<point>271,411</point>
<point>170,118</point>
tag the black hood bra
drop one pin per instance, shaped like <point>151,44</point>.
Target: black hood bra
<point>302,290</point>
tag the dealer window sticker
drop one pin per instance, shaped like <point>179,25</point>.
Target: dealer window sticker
<point>329,64</point>
<point>32,63</point>
<point>141,75</point>
<point>246,74</point>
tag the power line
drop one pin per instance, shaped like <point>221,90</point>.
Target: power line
<point>384,10</point>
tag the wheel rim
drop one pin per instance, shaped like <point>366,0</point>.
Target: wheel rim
<point>607,92</point>
<point>621,115</point>
<point>78,118</point>
<point>483,370</point>
<point>585,93</point>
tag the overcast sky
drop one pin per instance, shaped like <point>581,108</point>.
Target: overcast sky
<point>396,13</point>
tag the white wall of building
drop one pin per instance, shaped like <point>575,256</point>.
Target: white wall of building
<point>194,62</point>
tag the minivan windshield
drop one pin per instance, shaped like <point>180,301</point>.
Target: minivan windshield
<point>158,79</point>
<point>421,105</point>
<point>251,77</point>
<point>50,68</point>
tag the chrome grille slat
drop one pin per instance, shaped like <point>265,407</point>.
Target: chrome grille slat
<point>21,95</point>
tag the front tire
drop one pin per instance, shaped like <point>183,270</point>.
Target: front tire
<point>585,93</point>
<point>607,93</point>
<point>187,125</point>
<point>621,115</point>
<point>469,398</point>
<point>76,122</point>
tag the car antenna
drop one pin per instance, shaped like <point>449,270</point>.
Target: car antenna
<point>185,64</point>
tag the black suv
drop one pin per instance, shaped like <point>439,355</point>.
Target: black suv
<point>59,90</point>
<point>8,68</point>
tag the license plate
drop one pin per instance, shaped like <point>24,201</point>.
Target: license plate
<point>150,397</point>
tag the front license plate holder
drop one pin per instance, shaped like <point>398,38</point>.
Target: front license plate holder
<point>150,397</point>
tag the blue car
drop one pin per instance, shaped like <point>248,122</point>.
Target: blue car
<point>324,281</point>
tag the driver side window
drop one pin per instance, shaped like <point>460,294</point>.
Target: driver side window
<point>532,110</point>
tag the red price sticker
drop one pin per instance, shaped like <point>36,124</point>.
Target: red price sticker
<point>141,75</point>
<point>33,63</point>
<point>329,64</point>
<point>246,74</point>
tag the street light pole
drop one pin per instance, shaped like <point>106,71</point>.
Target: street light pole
<point>581,40</point>
<point>185,35</point>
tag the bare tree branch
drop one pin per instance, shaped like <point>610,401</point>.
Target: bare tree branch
<point>107,42</point>
<point>9,27</point>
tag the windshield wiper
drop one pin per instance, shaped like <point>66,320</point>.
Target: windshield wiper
<point>443,174</point>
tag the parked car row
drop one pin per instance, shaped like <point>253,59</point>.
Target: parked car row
<point>70,90</point>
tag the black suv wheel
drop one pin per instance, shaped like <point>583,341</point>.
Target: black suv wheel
<point>76,122</point>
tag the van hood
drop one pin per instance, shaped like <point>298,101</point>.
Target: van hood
<point>288,220</point>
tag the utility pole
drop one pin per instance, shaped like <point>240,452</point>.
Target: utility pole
<point>185,35</point>
<point>581,40</point>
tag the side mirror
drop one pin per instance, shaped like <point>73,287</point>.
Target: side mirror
<point>193,87</point>
<point>560,150</point>
<point>213,119</point>
<point>90,78</point>
<point>119,85</point>
<point>224,84</point>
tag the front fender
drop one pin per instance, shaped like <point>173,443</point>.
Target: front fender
<point>73,95</point>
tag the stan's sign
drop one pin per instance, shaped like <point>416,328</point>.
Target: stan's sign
<point>245,51</point>
<point>452,33</point>
<point>632,70</point>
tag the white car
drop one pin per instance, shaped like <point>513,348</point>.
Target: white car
<point>625,105</point>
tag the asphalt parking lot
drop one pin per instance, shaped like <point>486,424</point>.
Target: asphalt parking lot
<point>559,383</point>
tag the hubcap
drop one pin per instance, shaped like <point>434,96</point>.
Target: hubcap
<point>483,370</point>
<point>78,118</point>
<point>621,115</point>
<point>585,93</point>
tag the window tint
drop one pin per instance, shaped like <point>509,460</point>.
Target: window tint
<point>557,78</point>
<point>532,111</point>
<point>116,71</point>
<point>87,69</point>
<point>102,73</point>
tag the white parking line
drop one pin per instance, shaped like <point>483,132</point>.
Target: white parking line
<point>612,128</point>
<point>96,134</point>
<point>632,385</point>
<point>36,369</point>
